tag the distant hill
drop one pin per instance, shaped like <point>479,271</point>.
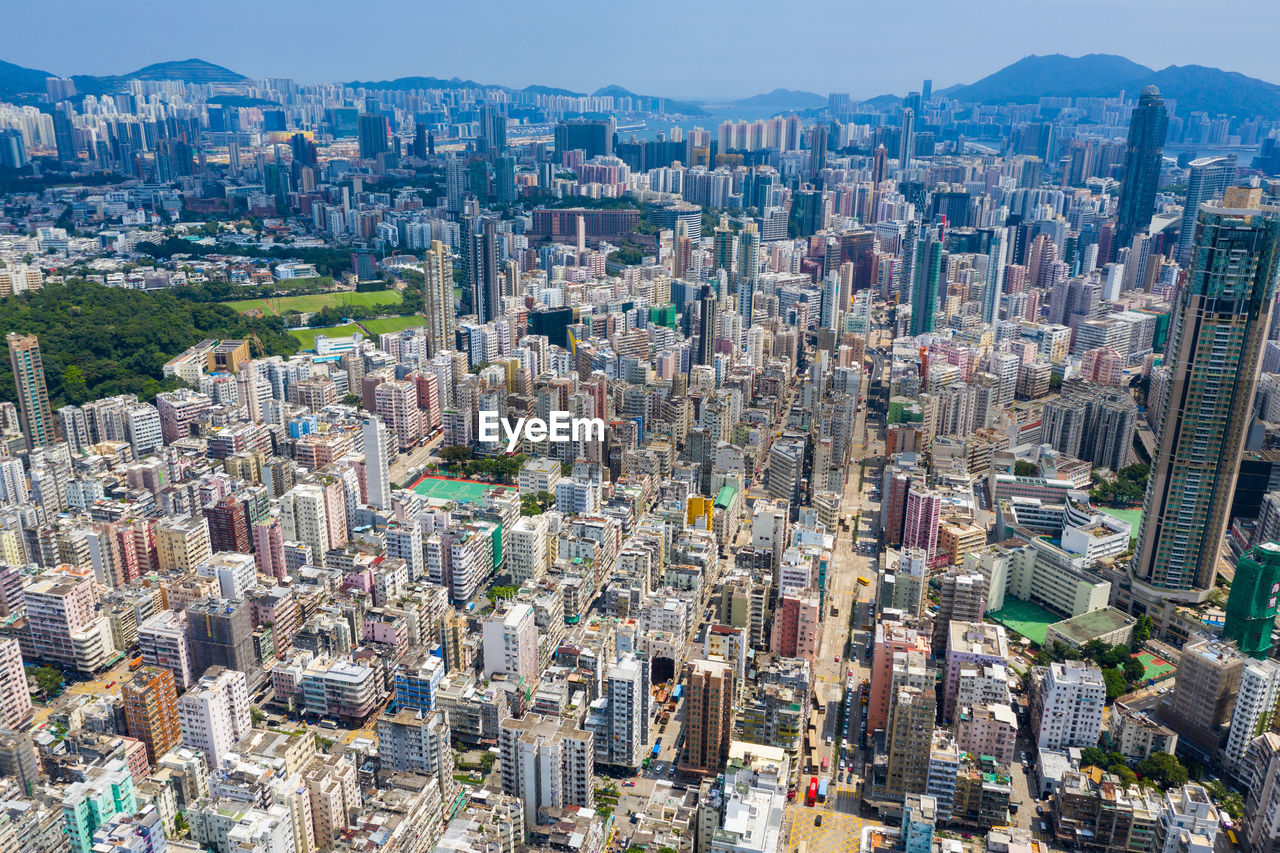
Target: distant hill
<point>672,105</point>
<point>1099,75</point>
<point>780,100</point>
<point>550,90</point>
<point>16,80</point>
<point>404,83</point>
<point>1034,77</point>
<point>189,71</point>
<point>1195,87</point>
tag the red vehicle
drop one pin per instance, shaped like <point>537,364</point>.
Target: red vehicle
<point>812,797</point>
<point>824,764</point>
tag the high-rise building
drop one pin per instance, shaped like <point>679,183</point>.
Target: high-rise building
<point>511,643</point>
<point>33,395</point>
<point>220,633</point>
<point>962,597</point>
<point>546,763</point>
<point>415,741</point>
<point>1066,704</point>
<point>1142,155</point>
<point>926,282</point>
<point>908,739</point>
<point>371,131</point>
<point>15,698</point>
<point>1254,600</point>
<point>709,693</point>
<point>1204,693</point>
<point>214,714</point>
<point>1215,351</point>
<point>920,525</point>
<point>619,719</point>
<point>480,266</point>
<point>437,267</point>
<point>993,288</point>
<point>1207,179</point>
<point>151,710</point>
<point>377,473</point>
<point>18,761</point>
<point>706,325</point>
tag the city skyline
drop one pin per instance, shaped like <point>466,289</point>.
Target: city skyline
<point>901,54</point>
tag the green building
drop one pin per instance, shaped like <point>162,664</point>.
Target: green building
<point>87,805</point>
<point>1251,607</point>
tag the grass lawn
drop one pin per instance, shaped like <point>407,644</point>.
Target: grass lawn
<point>393,324</point>
<point>309,302</point>
<point>307,337</point>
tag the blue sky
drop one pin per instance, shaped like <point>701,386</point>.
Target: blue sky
<point>694,49</point>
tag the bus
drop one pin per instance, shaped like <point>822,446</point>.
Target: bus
<point>863,581</point>
<point>812,796</point>
<point>822,791</point>
<point>136,663</point>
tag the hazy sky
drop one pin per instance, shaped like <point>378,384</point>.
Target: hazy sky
<point>698,48</point>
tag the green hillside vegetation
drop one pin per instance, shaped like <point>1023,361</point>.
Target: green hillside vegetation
<point>98,341</point>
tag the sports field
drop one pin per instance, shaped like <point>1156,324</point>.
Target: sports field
<point>1156,668</point>
<point>393,324</point>
<point>307,337</point>
<point>309,302</point>
<point>446,489</point>
<point>1030,620</point>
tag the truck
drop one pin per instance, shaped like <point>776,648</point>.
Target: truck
<point>822,791</point>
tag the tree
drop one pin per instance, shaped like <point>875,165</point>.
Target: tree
<point>1142,630</point>
<point>1116,685</point>
<point>1092,756</point>
<point>1134,670</point>
<point>1114,656</point>
<point>257,716</point>
<point>49,680</point>
<point>1022,468</point>
<point>351,400</point>
<point>1163,769</point>
<point>456,453</point>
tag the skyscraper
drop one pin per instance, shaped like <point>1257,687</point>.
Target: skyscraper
<point>1214,352</point>
<point>997,258</point>
<point>480,264</point>
<point>437,264</point>
<point>706,325</point>
<point>1207,179</point>
<point>371,129</point>
<point>33,395</point>
<point>748,269</point>
<point>926,282</point>
<point>377,475</point>
<point>1142,154</point>
<point>906,144</point>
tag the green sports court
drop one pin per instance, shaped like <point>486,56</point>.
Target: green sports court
<point>449,489</point>
<point>1030,620</point>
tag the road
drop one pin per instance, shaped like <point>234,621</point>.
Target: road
<point>404,463</point>
<point>850,560</point>
<point>108,683</point>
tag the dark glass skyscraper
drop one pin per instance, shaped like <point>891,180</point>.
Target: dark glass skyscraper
<point>1142,154</point>
<point>706,325</point>
<point>1214,355</point>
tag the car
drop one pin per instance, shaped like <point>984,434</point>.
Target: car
<point>671,770</point>
<point>837,658</point>
<point>628,784</point>
<point>841,776</point>
<point>817,821</point>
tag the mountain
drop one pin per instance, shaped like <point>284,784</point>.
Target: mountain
<point>189,71</point>
<point>1034,77</point>
<point>16,80</point>
<point>780,100</point>
<point>1212,90</point>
